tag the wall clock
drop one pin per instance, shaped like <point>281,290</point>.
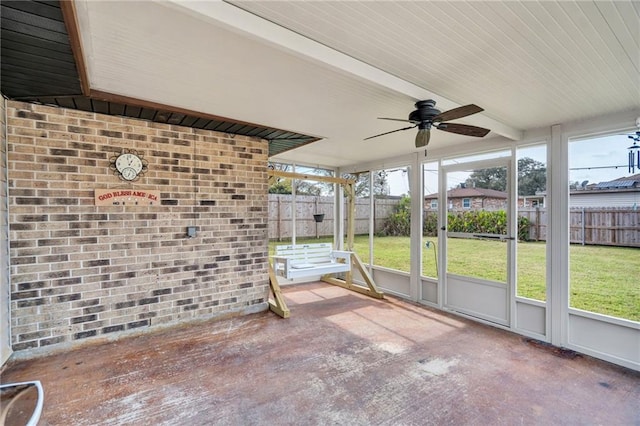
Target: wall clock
<point>128,165</point>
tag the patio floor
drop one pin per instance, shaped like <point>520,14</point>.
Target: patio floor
<point>341,359</point>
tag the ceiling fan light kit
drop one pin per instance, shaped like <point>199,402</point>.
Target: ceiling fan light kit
<point>422,137</point>
<point>427,115</point>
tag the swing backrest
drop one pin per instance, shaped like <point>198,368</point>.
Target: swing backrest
<point>306,253</point>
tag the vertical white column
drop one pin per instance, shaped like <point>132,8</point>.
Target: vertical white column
<point>293,207</point>
<point>558,237</point>
<point>512,254</point>
<point>442,234</point>
<point>372,218</point>
<point>417,207</point>
<point>338,214</point>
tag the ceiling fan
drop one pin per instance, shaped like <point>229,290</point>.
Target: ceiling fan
<point>427,115</point>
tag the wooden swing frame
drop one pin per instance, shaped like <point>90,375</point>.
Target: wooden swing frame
<point>277,303</point>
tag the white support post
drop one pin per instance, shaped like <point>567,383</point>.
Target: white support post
<point>372,220</point>
<point>512,253</point>
<point>339,215</point>
<point>417,207</point>
<point>442,234</point>
<point>558,237</point>
<point>293,207</point>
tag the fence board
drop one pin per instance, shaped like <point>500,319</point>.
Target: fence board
<point>597,226</point>
<point>281,212</point>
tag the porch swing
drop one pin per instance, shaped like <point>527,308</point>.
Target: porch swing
<point>312,260</point>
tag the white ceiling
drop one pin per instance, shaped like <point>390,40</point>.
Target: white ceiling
<point>328,68</point>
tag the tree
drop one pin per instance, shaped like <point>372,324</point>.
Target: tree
<point>309,187</point>
<point>489,178</point>
<point>380,184</point>
<point>283,185</point>
<point>532,177</point>
<point>278,185</point>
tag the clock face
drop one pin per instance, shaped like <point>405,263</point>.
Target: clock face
<point>129,161</point>
<point>128,173</point>
<point>129,165</point>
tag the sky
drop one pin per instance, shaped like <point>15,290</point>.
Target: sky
<point>605,153</point>
<point>594,160</point>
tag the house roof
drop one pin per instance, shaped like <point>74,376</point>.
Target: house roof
<point>327,70</point>
<point>633,178</point>
<point>625,182</point>
<point>617,184</point>
<point>470,193</point>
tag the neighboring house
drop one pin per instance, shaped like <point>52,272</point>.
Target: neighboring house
<point>469,199</point>
<point>617,193</point>
<point>621,192</point>
<point>481,199</point>
<point>537,200</point>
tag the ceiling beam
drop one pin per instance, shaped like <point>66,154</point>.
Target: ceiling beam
<point>237,20</point>
<point>69,14</point>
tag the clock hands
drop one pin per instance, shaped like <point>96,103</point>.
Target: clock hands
<point>128,165</point>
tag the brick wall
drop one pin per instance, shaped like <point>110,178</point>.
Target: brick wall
<point>80,271</point>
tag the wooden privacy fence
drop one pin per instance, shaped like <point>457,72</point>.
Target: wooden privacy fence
<point>281,214</point>
<point>593,225</point>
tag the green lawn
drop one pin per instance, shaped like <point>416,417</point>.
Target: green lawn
<point>603,279</point>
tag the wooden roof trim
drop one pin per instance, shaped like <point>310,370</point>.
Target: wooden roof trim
<point>70,17</point>
<point>111,97</point>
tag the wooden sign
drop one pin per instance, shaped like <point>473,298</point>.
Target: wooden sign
<point>126,197</point>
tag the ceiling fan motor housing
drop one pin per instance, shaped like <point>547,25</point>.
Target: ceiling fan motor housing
<point>425,112</point>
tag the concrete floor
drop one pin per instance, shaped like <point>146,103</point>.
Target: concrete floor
<point>341,359</point>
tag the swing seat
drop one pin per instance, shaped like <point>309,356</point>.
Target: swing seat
<point>308,260</point>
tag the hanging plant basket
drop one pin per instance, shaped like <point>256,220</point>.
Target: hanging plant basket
<point>318,217</point>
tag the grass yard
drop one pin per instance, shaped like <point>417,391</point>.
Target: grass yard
<point>603,279</point>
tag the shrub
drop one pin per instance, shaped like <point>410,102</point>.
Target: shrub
<point>398,223</point>
<point>477,222</point>
<point>430,224</point>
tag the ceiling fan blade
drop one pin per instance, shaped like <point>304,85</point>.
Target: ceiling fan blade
<point>463,129</point>
<point>396,119</point>
<point>393,131</point>
<point>459,112</point>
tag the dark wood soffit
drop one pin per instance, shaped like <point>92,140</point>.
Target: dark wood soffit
<point>120,99</point>
<point>277,145</point>
<point>279,140</point>
<point>36,57</point>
